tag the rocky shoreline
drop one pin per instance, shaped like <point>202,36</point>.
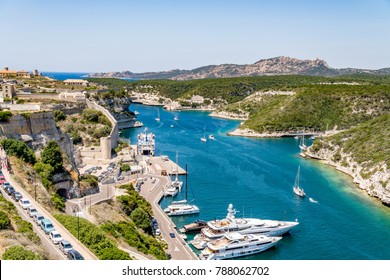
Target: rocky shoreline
<point>251,133</point>
<point>376,184</point>
<point>229,115</point>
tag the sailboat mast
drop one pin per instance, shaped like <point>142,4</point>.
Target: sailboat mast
<point>186,183</point>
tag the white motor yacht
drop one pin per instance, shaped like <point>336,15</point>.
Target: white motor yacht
<point>234,245</point>
<point>218,228</point>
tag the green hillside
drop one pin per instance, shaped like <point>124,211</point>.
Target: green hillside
<point>368,143</point>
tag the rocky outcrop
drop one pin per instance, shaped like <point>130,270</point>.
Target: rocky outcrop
<point>280,65</point>
<point>375,181</point>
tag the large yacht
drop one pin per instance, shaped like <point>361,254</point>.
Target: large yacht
<point>146,143</point>
<point>179,208</point>
<point>218,228</point>
<point>234,245</point>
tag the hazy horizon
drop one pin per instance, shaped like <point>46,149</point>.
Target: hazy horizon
<point>150,36</point>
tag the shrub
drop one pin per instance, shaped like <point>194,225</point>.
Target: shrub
<point>141,219</point>
<point>4,220</point>
<point>59,115</point>
<point>93,237</point>
<point>4,116</point>
<point>19,253</point>
<point>58,202</point>
<point>125,167</point>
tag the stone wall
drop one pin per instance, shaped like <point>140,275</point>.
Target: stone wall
<point>21,107</point>
<point>107,144</point>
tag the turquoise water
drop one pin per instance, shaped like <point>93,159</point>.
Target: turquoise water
<point>64,75</point>
<point>257,175</point>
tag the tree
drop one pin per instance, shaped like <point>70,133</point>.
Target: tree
<point>141,219</point>
<point>51,155</point>
<point>46,172</point>
<point>19,149</point>
<point>19,253</point>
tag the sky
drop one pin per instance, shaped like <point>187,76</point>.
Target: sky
<point>146,35</point>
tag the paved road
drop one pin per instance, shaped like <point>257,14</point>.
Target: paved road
<point>77,245</point>
<point>53,250</point>
<point>153,192</point>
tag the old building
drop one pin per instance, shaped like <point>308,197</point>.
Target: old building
<point>8,92</point>
<point>76,82</point>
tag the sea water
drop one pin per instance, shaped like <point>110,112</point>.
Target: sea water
<point>256,176</point>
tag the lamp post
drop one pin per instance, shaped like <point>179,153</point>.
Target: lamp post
<point>76,209</point>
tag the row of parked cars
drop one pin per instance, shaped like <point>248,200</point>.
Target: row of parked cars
<point>45,224</point>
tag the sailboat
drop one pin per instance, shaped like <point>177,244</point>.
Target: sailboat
<point>177,183</point>
<point>302,145</point>
<point>296,188</point>
<point>179,208</point>
<point>204,139</point>
<point>158,115</point>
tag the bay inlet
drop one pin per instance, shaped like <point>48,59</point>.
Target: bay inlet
<point>256,176</point>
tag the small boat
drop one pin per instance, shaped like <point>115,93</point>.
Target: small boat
<point>296,137</point>
<point>172,125</point>
<point>211,137</point>
<point>203,139</point>
<point>158,116</point>
<point>312,200</point>
<point>136,113</point>
<point>183,236</point>
<point>296,188</point>
<point>312,138</point>
<point>171,191</point>
<point>176,118</point>
<point>195,226</point>
<point>302,146</point>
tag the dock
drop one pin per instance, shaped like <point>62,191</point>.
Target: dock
<point>153,192</point>
<point>163,164</point>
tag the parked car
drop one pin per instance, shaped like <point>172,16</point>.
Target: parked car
<point>5,184</point>
<point>55,236</point>
<point>65,246</point>
<point>17,196</point>
<point>25,203</point>
<point>38,218</point>
<point>31,211</point>
<point>172,235</point>
<point>47,226</point>
<point>158,232</point>
<point>74,255</point>
<point>9,190</point>
<point>120,178</point>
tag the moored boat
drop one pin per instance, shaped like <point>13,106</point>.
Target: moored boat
<point>218,228</point>
<point>234,245</point>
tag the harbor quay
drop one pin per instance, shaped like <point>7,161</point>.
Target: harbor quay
<point>153,191</point>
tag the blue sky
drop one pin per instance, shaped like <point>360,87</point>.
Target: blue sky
<point>114,35</point>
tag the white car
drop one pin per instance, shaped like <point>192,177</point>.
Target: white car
<point>55,236</point>
<point>38,218</point>
<point>31,211</point>
<point>25,203</point>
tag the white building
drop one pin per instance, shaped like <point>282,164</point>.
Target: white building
<point>76,95</point>
<point>197,99</point>
<point>76,82</point>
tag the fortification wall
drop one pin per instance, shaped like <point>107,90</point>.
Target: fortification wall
<point>110,142</point>
<point>21,107</point>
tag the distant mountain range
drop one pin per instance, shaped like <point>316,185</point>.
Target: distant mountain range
<point>280,65</point>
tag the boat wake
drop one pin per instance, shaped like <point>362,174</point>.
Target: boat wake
<point>312,200</point>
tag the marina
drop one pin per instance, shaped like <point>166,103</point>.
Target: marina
<point>256,176</point>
